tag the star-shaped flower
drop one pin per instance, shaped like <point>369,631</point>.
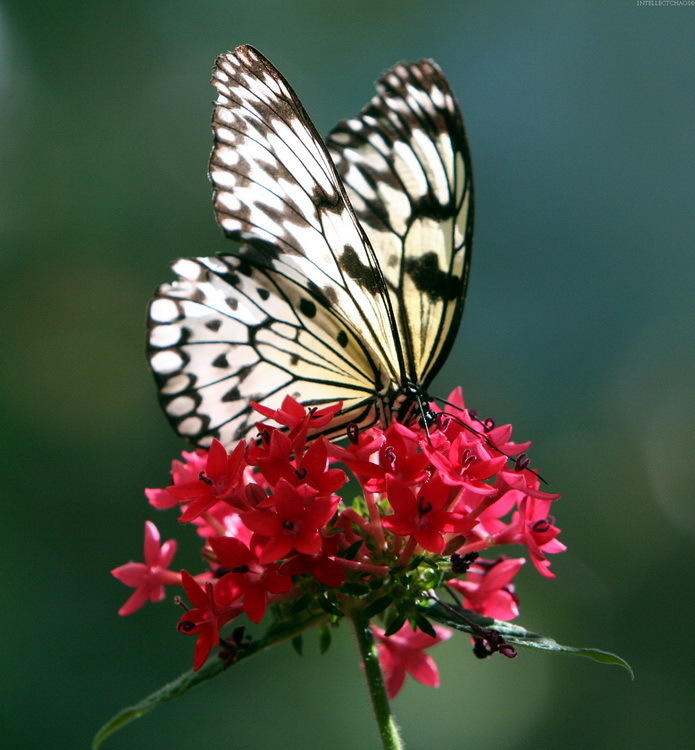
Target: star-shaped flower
<point>150,577</point>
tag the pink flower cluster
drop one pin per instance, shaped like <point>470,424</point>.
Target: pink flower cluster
<point>274,528</point>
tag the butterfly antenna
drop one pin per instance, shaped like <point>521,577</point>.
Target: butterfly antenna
<point>521,461</point>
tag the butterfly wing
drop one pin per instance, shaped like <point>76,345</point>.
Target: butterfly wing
<point>406,166</point>
<point>229,332</point>
<point>276,188</point>
<point>303,301</point>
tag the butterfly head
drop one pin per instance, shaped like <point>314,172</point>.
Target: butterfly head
<point>412,405</point>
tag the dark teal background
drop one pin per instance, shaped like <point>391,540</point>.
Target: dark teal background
<point>578,330</point>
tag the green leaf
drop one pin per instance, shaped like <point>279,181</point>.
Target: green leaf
<point>415,562</point>
<point>172,690</point>
<point>395,625</point>
<point>324,638</point>
<point>518,636</point>
<point>329,605</point>
<point>276,633</point>
<point>298,644</point>
<point>430,563</point>
<point>424,624</point>
<point>378,605</point>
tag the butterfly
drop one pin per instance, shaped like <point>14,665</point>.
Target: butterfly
<point>350,280</point>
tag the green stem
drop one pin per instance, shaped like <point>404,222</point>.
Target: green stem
<point>377,691</point>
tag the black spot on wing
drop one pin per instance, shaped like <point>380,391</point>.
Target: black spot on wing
<point>307,307</point>
<point>185,333</point>
<point>261,252</point>
<point>233,394</point>
<point>342,339</point>
<point>243,267</point>
<point>430,280</point>
<point>322,199</point>
<point>221,361</point>
<point>231,277</point>
<point>364,275</point>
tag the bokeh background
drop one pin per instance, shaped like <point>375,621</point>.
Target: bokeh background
<point>578,330</point>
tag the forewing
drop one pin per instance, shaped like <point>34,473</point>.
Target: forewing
<point>228,332</point>
<point>276,188</point>
<point>406,167</point>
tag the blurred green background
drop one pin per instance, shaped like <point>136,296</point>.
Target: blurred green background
<point>578,330</point>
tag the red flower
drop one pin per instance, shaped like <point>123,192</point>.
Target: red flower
<point>222,481</point>
<point>402,653</point>
<point>248,575</point>
<point>293,523</point>
<point>401,456</point>
<point>211,612</point>
<point>274,528</point>
<point>181,471</point>
<point>324,568</point>
<point>532,524</point>
<point>148,578</point>
<point>466,461</point>
<point>422,514</point>
<point>278,459</point>
<point>488,590</point>
<point>357,455</point>
<point>313,469</point>
<point>292,414</point>
<point>298,419</point>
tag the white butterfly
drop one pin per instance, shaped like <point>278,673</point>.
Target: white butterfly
<point>351,280</point>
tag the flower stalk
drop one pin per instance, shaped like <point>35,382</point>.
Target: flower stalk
<point>388,732</point>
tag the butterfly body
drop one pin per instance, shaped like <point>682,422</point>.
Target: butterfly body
<point>350,279</point>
